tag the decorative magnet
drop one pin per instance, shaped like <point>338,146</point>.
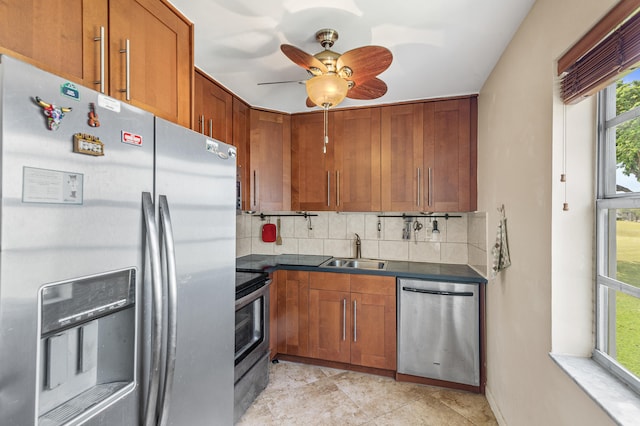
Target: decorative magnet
<point>93,117</point>
<point>53,113</point>
<point>87,144</point>
<point>70,90</point>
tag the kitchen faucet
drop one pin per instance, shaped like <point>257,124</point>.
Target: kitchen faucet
<point>358,247</point>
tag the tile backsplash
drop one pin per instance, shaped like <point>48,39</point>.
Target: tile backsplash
<point>461,240</point>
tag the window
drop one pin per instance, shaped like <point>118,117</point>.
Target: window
<point>618,229</point>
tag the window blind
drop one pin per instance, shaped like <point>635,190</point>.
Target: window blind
<point>606,58</point>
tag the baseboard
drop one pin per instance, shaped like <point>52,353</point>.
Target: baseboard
<point>494,406</point>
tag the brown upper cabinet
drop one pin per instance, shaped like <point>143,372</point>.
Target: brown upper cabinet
<point>429,156</point>
<point>160,56</point>
<point>213,109</point>
<point>241,130</point>
<point>58,38</point>
<point>313,185</point>
<point>406,157</point>
<point>90,48</point>
<point>270,161</point>
<point>357,159</point>
<point>450,153</point>
<point>402,157</point>
<point>347,176</point>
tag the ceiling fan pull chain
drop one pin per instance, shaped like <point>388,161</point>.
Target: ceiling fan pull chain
<point>326,128</point>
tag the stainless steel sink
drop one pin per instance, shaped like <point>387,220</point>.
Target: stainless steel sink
<point>355,263</point>
<point>338,263</point>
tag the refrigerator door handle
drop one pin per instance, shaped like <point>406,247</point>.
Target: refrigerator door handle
<point>156,309</point>
<point>172,323</point>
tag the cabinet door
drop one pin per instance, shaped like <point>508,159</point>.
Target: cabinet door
<point>329,316</point>
<point>160,71</point>
<point>57,35</point>
<point>270,145</point>
<point>357,159</point>
<point>312,176</point>
<point>273,315</point>
<point>241,142</point>
<point>293,313</point>
<point>213,109</point>
<point>450,154</point>
<point>373,300</point>
<point>402,158</point>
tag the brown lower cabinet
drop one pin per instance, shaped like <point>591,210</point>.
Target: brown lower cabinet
<point>330,322</point>
<point>292,306</point>
<point>373,299</point>
<point>343,318</point>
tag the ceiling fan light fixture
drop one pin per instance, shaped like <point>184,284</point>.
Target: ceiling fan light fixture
<point>327,90</point>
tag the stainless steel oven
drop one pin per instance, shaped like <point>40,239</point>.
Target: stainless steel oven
<point>251,373</point>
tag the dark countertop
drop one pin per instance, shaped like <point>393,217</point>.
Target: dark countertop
<point>400,269</point>
<point>268,263</point>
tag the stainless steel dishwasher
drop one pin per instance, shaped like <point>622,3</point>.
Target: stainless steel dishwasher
<point>438,330</point>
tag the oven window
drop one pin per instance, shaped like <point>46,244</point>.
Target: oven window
<point>249,328</point>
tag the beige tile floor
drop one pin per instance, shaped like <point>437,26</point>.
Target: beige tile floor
<point>300,394</point>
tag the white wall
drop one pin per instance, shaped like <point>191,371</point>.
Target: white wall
<point>543,302</point>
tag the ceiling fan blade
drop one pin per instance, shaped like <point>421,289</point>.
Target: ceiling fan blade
<point>282,82</point>
<point>310,103</point>
<point>302,58</point>
<point>365,62</point>
<point>371,89</point>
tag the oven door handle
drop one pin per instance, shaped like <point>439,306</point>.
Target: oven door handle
<point>172,308</point>
<point>245,300</point>
<point>156,309</point>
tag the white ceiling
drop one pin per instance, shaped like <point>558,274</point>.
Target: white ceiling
<point>440,47</point>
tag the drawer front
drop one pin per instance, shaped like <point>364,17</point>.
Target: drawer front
<point>373,284</point>
<point>329,281</point>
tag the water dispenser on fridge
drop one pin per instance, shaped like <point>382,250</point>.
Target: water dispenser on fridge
<point>87,347</point>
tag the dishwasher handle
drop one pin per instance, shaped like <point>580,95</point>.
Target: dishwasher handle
<point>438,292</point>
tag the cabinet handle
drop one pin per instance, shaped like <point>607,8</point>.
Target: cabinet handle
<point>344,319</point>
<point>328,188</point>
<point>355,321</point>
<point>211,127</point>
<point>100,38</point>
<point>201,122</point>
<point>338,188</point>
<point>430,183</point>
<point>255,188</point>
<point>418,191</point>
<point>127,52</point>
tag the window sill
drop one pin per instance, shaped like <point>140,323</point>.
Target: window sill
<point>614,397</point>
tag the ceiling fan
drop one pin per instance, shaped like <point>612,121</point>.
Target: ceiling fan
<point>334,76</point>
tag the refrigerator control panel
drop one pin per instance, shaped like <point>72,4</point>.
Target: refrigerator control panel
<point>75,301</point>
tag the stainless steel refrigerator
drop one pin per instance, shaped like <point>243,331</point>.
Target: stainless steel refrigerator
<point>117,251</point>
